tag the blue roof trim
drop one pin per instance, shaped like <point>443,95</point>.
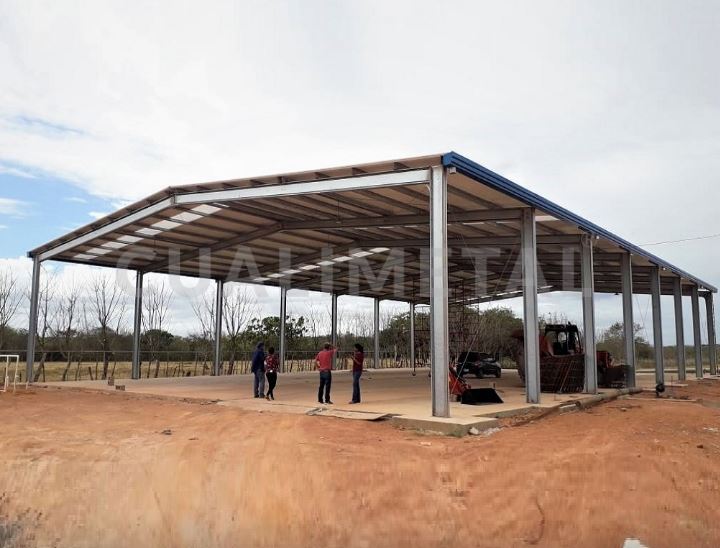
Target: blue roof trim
<point>490,178</point>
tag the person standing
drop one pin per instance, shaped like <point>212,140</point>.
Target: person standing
<point>324,363</point>
<point>358,359</point>
<point>272,363</point>
<point>258,369</point>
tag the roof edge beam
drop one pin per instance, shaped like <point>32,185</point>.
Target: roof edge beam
<point>106,229</point>
<point>360,182</point>
<point>415,176</point>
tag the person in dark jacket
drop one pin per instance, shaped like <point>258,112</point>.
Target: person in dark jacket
<point>258,369</point>
<point>358,359</point>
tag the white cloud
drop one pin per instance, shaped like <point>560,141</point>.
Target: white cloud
<point>76,199</point>
<point>12,207</point>
<point>607,108</point>
<point>119,204</point>
<point>70,228</point>
<point>97,214</point>
<point>352,82</point>
<point>17,172</point>
<point>3,227</point>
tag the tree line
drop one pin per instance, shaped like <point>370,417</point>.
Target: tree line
<point>75,320</point>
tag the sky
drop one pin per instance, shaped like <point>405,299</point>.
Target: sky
<point>608,108</point>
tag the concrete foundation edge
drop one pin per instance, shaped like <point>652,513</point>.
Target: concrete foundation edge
<point>448,427</point>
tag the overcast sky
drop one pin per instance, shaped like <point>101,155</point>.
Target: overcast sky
<point>609,108</point>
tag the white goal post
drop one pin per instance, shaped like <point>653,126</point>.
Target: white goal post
<point>7,360</point>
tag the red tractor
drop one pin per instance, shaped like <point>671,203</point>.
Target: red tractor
<point>562,361</point>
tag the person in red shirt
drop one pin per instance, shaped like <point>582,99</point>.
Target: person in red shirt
<point>357,369</point>
<point>324,363</point>
<point>271,370</point>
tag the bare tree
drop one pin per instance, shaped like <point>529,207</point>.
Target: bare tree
<point>360,324</point>
<point>106,304</point>
<point>239,307</point>
<point>65,323</point>
<point>156,302</point>
<point>316,321</point>
<point>394,334</point>
<point>44,318</point>
<point>121,327</point>
<point>340,318</point>
<point>204,309</point>
<point>86,319</point>
<point>10,298</point>
<point>553,318</point>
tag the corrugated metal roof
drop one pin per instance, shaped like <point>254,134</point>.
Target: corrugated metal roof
<point>183,230</point>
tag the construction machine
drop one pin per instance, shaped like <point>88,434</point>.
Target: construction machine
<point>562,361</point>
<point>461,390</point>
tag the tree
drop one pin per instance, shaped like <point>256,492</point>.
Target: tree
<point>494,328</point>
<point>65,323</point>
<point>395,334</point>
<point>45,294</point>
<point>267,330</point>
<point>239,306</point>
<point>202,342</point>
<point>107,306</point>
<point>157,341</point>
<point>360,323</point>
<point>612,340</point>
<point>316,321</point>
<point>10,297</point>
<point>156,304</point>
<point>485,331</point>
<point>340,319</point>
<point>552,318</point>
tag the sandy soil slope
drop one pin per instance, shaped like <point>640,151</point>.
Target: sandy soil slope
<point>89,469</point>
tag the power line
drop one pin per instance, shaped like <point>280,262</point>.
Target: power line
<point>683,240</point>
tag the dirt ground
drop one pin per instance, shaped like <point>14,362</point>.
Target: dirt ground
<point>93,469</point>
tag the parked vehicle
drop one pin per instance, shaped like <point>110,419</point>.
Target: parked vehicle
<point>479,364</point>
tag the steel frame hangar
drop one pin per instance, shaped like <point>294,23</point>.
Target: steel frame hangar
<point>401,213</point>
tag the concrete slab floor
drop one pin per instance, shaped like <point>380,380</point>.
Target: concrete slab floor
<point>384,391</point>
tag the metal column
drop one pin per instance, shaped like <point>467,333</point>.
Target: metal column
<point>412,336</point>
<point>32,326</point>
<point>628,319</point>
<point>217,359</point>
<point>697,340</point>
<point>588,305</point>
<point>439,332</point>
<point>679,328</point>
<point>333,324</point>
<point>657,325</point>
<point>376,332</point>
<point>530,307</point>
<point>137,325</point>
<point>283,319</point>
<point>712,349</point>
